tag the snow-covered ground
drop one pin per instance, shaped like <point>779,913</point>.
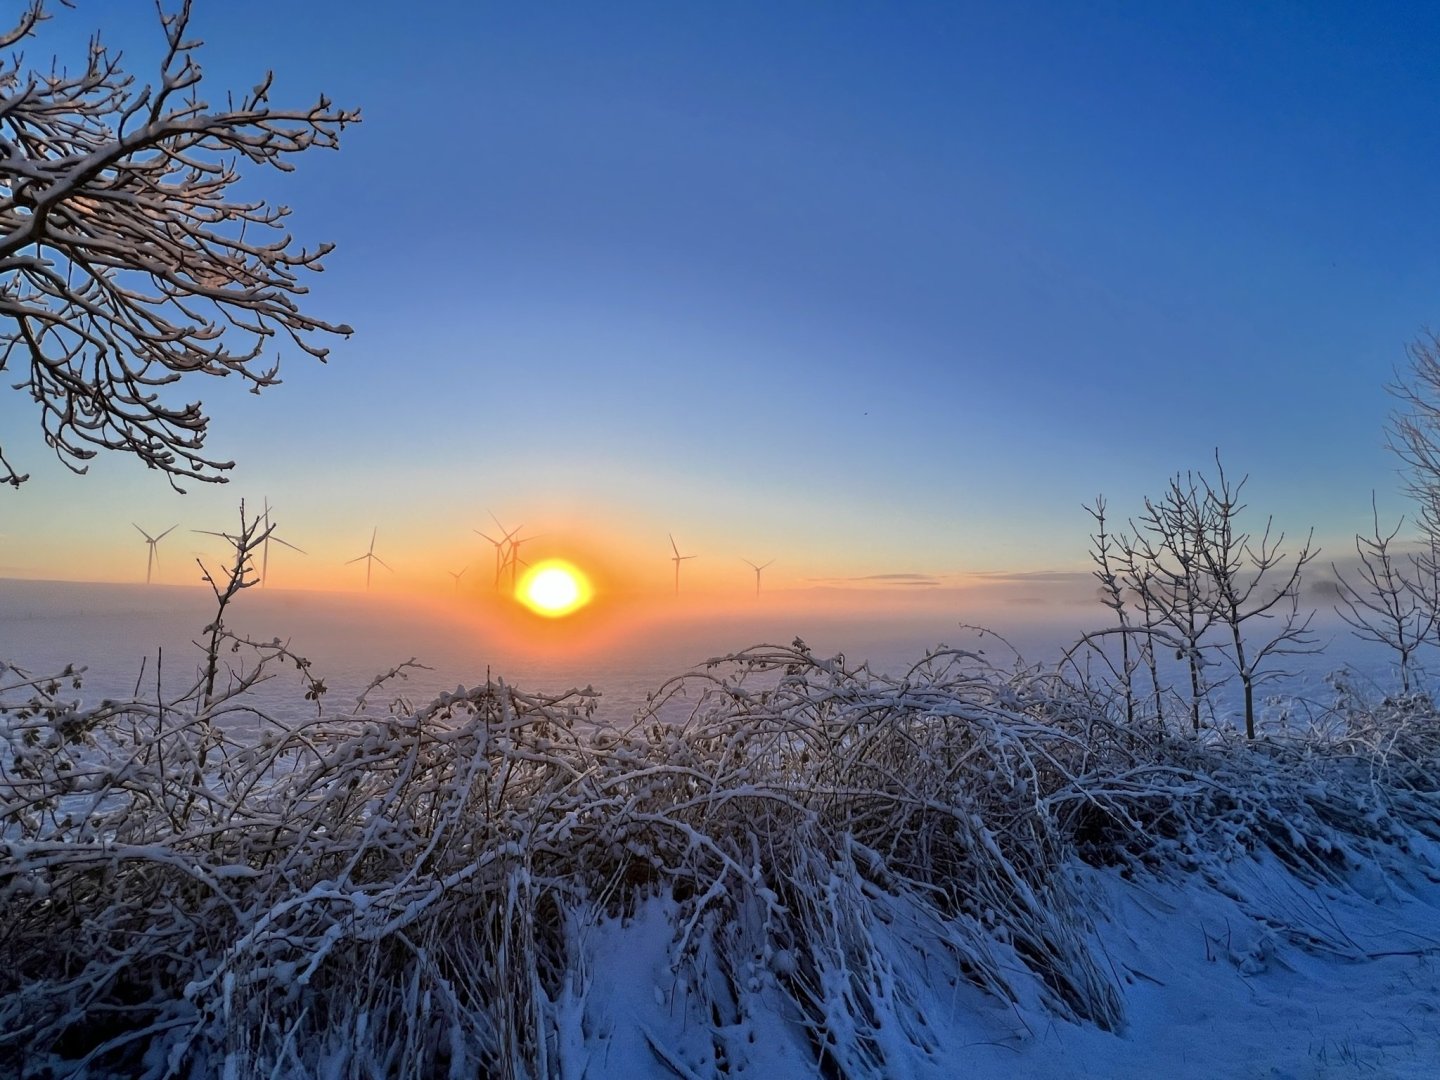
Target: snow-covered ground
<point>1274,982</point>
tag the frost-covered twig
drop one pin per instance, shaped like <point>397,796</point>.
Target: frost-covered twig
<point>127,263</point>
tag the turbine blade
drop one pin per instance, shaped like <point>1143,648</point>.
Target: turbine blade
<point>142,532</point>
<point>286,543</point>
<point>672,545</point>
<point>373,535</point>
<point>508,533</point>
<point>477,532</point>
<point>167,532</point>
<point>383,563</point>
<point>357,558</point>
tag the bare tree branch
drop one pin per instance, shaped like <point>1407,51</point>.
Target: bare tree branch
<point>126,259</point>
<point>1389,605</point>
<point>1105,548</point>
<point>1162,565</point>
<point>1241,571</point>
<point>1414,437</point>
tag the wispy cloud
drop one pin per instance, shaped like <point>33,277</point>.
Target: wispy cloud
<point>908,580</point>
<point>1029,577</point>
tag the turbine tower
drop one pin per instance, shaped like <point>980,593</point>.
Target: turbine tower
<point>154,556</point>
<point>757,570</point>
<point>677,560</point>
<point>370,559</point>
<point>265,547</point>
<point>515,561</point>
<point>499,553</point>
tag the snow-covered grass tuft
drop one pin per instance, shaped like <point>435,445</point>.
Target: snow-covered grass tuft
<point>193,887</point>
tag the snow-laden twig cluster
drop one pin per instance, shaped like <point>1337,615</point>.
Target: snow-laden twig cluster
<point>127,258</point>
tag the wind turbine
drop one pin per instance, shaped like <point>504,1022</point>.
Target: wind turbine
<point>677,560</point>
<point>265,547</point>
<point>504,547</point>
<point>457,575</point>
<point>499,558</point>
<point>370,559</point>
<point>154,556</point>
<point>757,570</point>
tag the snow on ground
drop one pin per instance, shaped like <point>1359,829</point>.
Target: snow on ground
<point>1276,981</point>
<point>1215,986</point>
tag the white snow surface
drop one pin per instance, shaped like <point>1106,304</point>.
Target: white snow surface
<point>1276,981</point>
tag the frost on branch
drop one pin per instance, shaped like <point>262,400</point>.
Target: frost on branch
<point>127,261</point>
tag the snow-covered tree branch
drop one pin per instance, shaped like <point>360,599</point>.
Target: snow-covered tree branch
<point>1387,603</point>
<point>128,261</point>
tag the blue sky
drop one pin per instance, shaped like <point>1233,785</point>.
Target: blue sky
<point>863,288</point>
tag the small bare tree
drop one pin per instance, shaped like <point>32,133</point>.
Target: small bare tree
<point>1185,575</point>
<point>1164,566</point>
<point>1144,601</point>
<point>1414,431</point>
<point>1105,547</point>
<point>1250,586</point>
<point>1426,565</point>
<point>127,261</point>
<point>1389,605</point>
<point>1414,436</point>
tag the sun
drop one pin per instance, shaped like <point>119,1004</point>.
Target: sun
<point>553,588</point>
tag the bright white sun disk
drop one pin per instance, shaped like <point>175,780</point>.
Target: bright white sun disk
<point>553,588</point>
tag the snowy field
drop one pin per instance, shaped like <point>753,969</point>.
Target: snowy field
<point>933,876</point>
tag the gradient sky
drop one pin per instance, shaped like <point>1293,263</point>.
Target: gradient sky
<point>867,289</point>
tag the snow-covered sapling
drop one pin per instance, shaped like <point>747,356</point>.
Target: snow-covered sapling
<point>1250,586</point>
<point>1386,602</point>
